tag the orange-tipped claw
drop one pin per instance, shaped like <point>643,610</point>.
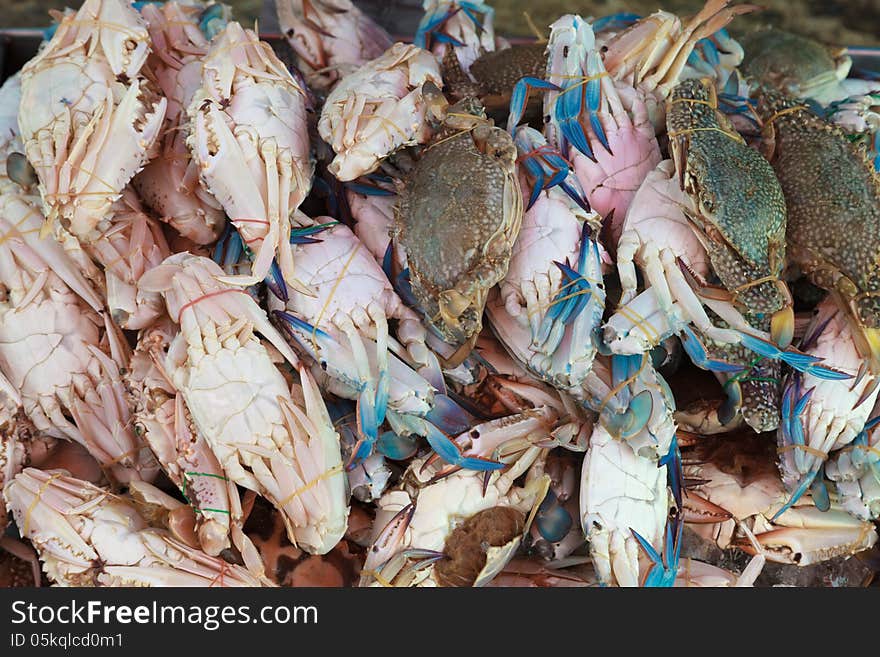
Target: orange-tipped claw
<point>782,327</point>
<point>700,511</point>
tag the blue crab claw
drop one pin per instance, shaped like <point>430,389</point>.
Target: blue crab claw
<point>802,488</point>
<point>275,281</point>
<point>389,539</point>
<point>819,491</point>
<point>538,186</point>
<point>447,450</point>
<point>372,405</point>
<point>615,22</point>
<point>593,96</point>
<point>627,424</point>
<point>395,447</point>
<point>359,453</point>
<point>698,355</point>
<point>792,357</point>
<point>674,474</point>
<point>304,235</point>
<point>520,97</point>
<point>229,247</point>
<point>548,168</point>
<point>552,521</point>
<point>568,110</point>
<point>301,325</point>
<point>665,568</point>
<point>569,302</point>
<point>429,24</point>
<point>471,9</point>
<point>792,427</point>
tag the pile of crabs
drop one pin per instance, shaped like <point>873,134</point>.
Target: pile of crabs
<point>451,312</point>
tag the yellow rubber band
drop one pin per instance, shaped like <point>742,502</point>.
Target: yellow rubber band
<point>680,133</point>
<point>314,482</point>
<point>33,505</point>
<point>818,453</point>
<point>783,112</point>
<point>640,322</point>
<point>693,101</point>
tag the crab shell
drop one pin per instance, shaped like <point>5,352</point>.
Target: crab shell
<point>249,136</point>
<point>458,216</point>
<point>738,209</point>
<point>89,119</point>
<point>794,64</point>
<point>832,194</point>
<point>378,109</point>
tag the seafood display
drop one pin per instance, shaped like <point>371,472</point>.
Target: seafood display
<point>336,309</point>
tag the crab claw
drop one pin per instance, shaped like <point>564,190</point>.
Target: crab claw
<point>798,493</point>
<point>547,167</point>
<point>792,357</point>
<point>519,99</point>
<point>665,568</point>
<point>674,475</point>
<point>698,355</point>
<point>429,25</point>
<point>804,546</point>
<point>389,538</point>
<point>396,447</point>
<point>697,510</point>
<point>552,521</point>
<point>447,450</point>
<point>629,423</point>
<point>445,447</point>
<point>571,299</point>
<point>792,427</point>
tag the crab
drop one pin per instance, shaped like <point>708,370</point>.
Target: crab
<point>552,298</point>
<point>799,66</point>
<point>86,536</point>
<point>613,155</point>
<point>735,481</point>
<point>455,531</point>
<point>378,109</point>
<point>458,32</point>
<point>248,133</point>
<point>823,416</point>
<point>833,199</point>
<point>89,119</point>
<point>331,38</point>
<point>459,213</point>
<point>169,183</point>
<point>269,437</point>
<point>723,216</point>
<point>655,53</point>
